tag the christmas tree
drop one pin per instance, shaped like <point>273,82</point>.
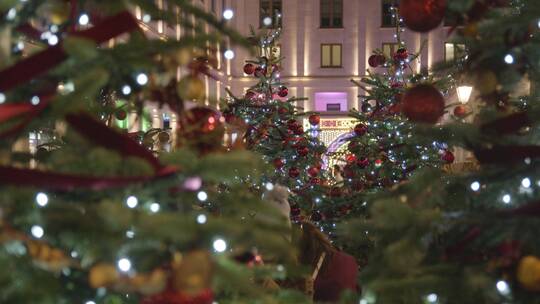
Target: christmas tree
<point>468,236</point>
<point>97,216</point>
<point>273,125</point>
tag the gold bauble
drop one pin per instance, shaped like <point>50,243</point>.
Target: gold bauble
<point>150,284</point>
<point>191,88</point>
<point>103,275</point>
<point>57,11</point>
<point>528,273</point>
<point>193,274</point>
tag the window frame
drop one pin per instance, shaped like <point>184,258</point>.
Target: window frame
<point>332,66</point>
<point>332,14</point>
<point>272,14</point>
<point>454,57</point>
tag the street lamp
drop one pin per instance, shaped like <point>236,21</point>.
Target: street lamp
<point>464,93</point>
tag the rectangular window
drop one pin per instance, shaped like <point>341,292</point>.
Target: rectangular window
<point>388,17</point>
<point>331,13</point>
<point>389,49</point>
<point>336,107</point>
<point>268,12</point>
<point>330,55</point>
<point>453,51</point>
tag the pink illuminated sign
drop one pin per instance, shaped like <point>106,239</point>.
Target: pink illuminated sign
<point>323,99</point>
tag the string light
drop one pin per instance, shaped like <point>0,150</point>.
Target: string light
<point>228,14</point>
<point>202,196</point>
<point>503,288</point>
<point>269,186</point>
<point>526,182</point>
<point>154,207</point>
<point>228,54</point>
<point>509,59</point>
<point>35,100</point>
<point>84,19</point>
<point>146,18</point>
<point>432,298</point>
<point>37,231</point>
<point>475,186</point>
<point>142,79</point>
<point>124,264</point>
<point>132,202</point>
<point>267,21</point>
<point>126,90</point>
<point>201,219</point>
<point>220,245</point>
<point>2,98</point>
<point>506,198</point>
<point>12,13</point>
<point>42,199</point>
<point>53,40</point>
<point>90,302</point>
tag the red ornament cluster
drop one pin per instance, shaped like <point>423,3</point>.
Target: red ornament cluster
<point>360,129</point>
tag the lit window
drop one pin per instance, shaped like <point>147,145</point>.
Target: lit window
<point>269,9</point>
<point>331,55</point>
<point>336,107</point>
<point>389,49</point>
<point>331,13</point>
<point>388,19</point>
<point>453,51</point>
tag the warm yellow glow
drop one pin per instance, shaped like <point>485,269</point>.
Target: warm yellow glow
<point>464,93</point>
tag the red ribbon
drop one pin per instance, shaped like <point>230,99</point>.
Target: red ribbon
<point>43,61</point>
<point>24,111</point>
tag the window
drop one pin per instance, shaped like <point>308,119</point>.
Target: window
<point>269,9</point>
<point>453,51</point>
<point>336,107</point>
<point>274,53</point>
<point>330,55</point>
<point>388,17</point>
<point>331,13</point>
<point>389,49</point>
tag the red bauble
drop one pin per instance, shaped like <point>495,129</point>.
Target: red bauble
<point>362,162</point>
<point>378,163</point>
<point>283,92</point>
<point>373,61</point>
<point>448,157</point>
<point>401,54</point>
<point>315,181</point>
<point>302,151</point>
<point>294,172</point>
<point>314,119</point>
<point>360,129</point>
<point>299,130</point>
<point>202,127</point>
<point>460,111</point>
<point>313,171</point>
<point>350,158</point>
<point>423,103</point>
<point>422,15</point>
<point>278,163</point>
<point>292,124</point>
<point>295,210</point>
<point>249,68</point>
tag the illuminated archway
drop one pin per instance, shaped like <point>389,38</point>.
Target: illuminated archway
<point>336,149</point>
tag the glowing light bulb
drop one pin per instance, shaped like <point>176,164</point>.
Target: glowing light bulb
<point>42,199</point>
<point>202,196</point>
<point>506,198</point>
<point>35,100</point>
<point>2,98</point>
<point>84,19</point>
<point>146,18</point>
<point>267,21</point>
<point>503,288</point>
<point>142,79</point>
<point>201,219</point>
<point>132,202</point>
<point>269,186</point>
<point>475,186</point>
<point>37,231</point>
<point>53,40</point>
<point>228,54</point>
<point>432,298</point>
<point>220,245</point>
<point>126,90</point>
<point>509,59</point>
<point>154,207</point>
<point>124,264</point>
<point>228,14</point>
<point>526,182</point>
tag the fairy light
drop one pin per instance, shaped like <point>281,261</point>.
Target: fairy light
<point>509,59</point>
<point>132,202</point>
<point>42,199</point>
<point>475,186</point>
<point>146,18</point>
<point>35,100</point>
<point>220,245</point>
<point>2,98</point>
<point>228,14</point>
<point>37,231</point>
<point>267,21</point>
<point>506,198</point>
<point>269,186</point>
<point>11,14</point>
<point>432,298</point>
<point>201,219</point>
<point>202,196</point>
<point>90,302</point>
<point>53,40</point>
<point>142,79</point>
<point>124,264</point>
<point>526,182</point>
<point>503,288</point>
<point>228,54</point>
<point>84,19</point>
<point>126,90</point>
<point>154,207</point>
